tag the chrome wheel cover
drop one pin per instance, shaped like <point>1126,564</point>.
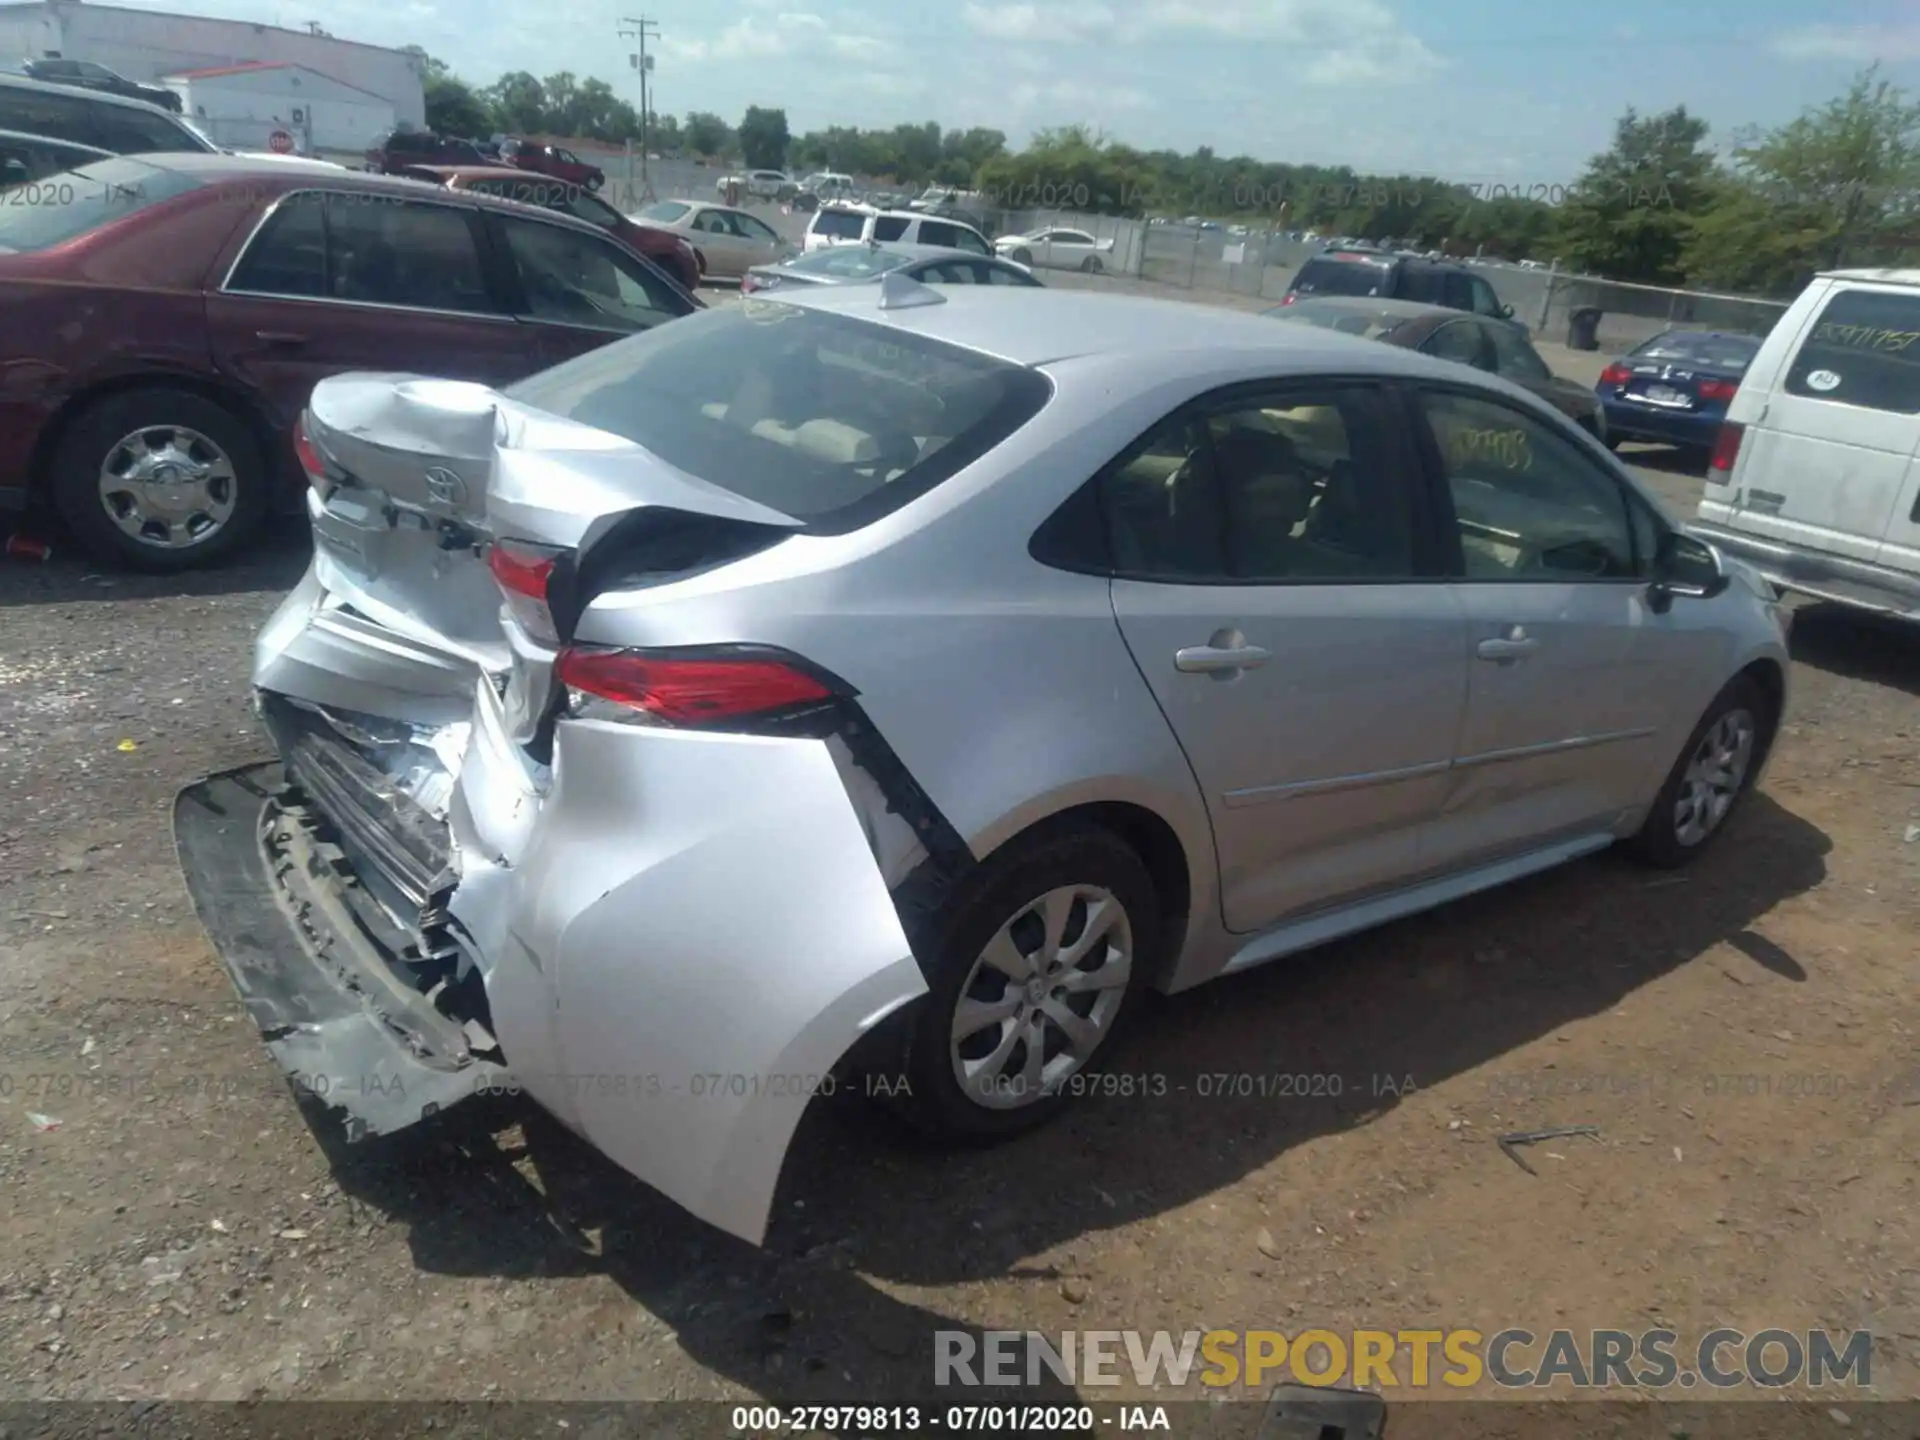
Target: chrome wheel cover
<point>1041,997</point>
<point>168,487</point>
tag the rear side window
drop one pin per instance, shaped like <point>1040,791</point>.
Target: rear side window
<point>827,418</point>
<point>67,206</point>
<point>840,224</point>
<point>665,213</point>
<point>127,131</point>
<point>39,112</point>
<point>289,255</point>
<point>889,227</point>
<point>1863,350</point>
<point>1321,276</point>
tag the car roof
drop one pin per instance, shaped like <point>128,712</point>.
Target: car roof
<point>1044,327</point>
<point>104,97</point>
<point>291,171</point>
<point>1891,276</point>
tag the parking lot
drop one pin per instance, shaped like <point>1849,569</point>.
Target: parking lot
<point>1742,1034</point>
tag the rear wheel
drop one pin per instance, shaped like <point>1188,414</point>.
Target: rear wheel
<point>1715,771</point>
<point>160,479</point>
<point>1091,265</point>
<point>1042,953</point>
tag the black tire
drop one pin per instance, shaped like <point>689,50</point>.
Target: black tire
<point>1661,841</point>
<point>1091,265</point>
<point>995,895</point>
<point>89,442</point>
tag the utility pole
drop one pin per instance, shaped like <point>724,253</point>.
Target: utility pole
<point>639,29</point>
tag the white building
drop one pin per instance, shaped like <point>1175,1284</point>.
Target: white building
<point>243,106</point>
<point>150,45</point>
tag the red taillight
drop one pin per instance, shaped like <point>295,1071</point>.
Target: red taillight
<point>308,453</point>
<point>1717,389</point>
<point>1726,450</point>
<point>748,284</point>
<point>689,691</point>
<point>1615,375</point>
<point>524,573</point>
<point>1288,298</point>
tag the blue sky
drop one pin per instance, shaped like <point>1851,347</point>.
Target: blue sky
<point>1516,92</point>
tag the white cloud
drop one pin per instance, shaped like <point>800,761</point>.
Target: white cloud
<point>782,34</point>
<point>1345,42</point>
<point>1858,43</point>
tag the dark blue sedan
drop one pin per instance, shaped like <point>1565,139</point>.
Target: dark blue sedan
<point>1674,389</point>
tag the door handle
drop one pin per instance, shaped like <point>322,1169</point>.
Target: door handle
<point>280,339</point>
<point>1207,659</point>
<point>1511,646</point>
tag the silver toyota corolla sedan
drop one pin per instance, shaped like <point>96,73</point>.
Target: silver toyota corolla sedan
<point>903,679</point>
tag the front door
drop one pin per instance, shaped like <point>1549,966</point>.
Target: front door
<point>1576,685</point>
<point>1826,464</point>
<point>1280,593</point>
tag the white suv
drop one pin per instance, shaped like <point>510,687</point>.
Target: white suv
<point>856,224</point>
<point>759,185</point>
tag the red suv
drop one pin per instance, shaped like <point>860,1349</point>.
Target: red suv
<point>552,160</point>
<point>168,316</point>
<point>663,247</point>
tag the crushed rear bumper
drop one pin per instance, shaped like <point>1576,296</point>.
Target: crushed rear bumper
<point>274,895</point>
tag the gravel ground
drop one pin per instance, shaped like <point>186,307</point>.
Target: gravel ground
<point>188,1231</point>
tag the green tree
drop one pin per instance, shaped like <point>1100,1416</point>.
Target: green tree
<point>707,134</point>
<point>453,106</point>
<point>1633,211</point>
<point>519,103</point>
<point>763,138</point>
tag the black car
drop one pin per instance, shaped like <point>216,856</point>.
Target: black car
<point>27,158</point>
<point>1360,272</point>
<point>397,149</point>
<point>92,117</point>
<point>89,76</point>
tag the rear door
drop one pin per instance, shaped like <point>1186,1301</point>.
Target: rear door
<point>1828,462</point>
<point>1277,585</point>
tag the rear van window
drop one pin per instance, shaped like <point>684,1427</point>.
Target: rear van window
<point>1321,276</point>
<point>1863,350</point>
<point>832,420</point>
<point>840,224</point>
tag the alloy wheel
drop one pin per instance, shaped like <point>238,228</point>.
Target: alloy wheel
<point>1714,776</point>
<point>1041,997</point>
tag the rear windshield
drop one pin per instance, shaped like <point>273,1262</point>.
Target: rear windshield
<point>1714,352</point>
<point>72,203</point>
<point>1863,350</point>
<point>840,224</point>
<point>1368,324</point>
<point>850,262</point>
<point>826,418</point>
<point>1324,276</point>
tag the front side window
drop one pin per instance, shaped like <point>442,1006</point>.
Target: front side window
<point>758,230</point>
<point>1863,350</point>
<point>1485,302</point>
<point>1300,486</point>
<point>823,417</point>
<point>576,279</point>
<point>1529,505</point>
<point>1323,276</point>
<point>934,232</point>
<point>1514,355</point>
<point>967,239</point>
<point>422,257</point>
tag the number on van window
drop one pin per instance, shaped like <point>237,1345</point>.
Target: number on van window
<point>1861,352</point>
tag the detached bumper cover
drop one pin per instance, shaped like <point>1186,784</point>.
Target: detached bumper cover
<point>331,1009</point>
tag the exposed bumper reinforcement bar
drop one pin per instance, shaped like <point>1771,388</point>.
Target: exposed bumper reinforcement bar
<point>334,1013</point>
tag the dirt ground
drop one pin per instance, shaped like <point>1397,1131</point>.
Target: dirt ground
<point>1742,1034</point>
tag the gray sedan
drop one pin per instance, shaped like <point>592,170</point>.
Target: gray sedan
<point>904,680</point>
<point>870,263</point>
<point>1500,347</point>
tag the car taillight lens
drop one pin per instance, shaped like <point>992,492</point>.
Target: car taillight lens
<point>308,453</point>
<point>1288,298</point>
<point>1726,450</point>
<point>688,690</point>
<point>1615,375</point>
<point>1717,389</point>
<point>524,572</point>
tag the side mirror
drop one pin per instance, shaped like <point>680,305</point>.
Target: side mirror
<point>1686,566</point>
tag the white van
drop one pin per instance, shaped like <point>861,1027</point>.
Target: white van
<point>1815,476</point>
<point>857,224</point>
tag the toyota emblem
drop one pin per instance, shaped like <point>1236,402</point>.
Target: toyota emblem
<point>445,486</point>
